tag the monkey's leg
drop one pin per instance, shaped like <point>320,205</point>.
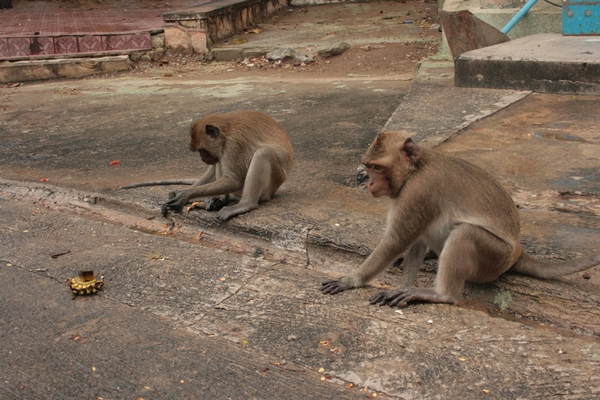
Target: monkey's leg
<point>410,268</point>
<point>470,254</point>
<point>262,180</point>
<point>216,203</point>
<point>412,262</point>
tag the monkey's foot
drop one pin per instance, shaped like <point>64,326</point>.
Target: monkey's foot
<point>400,296</point>
<point>214,204</point>
<point>334,287</point>
<point>85,283</point>
<point>231,211</point>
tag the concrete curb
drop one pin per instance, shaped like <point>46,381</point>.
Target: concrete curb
<point>36,70</point>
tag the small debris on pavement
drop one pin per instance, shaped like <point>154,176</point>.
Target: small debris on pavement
<point>195,204</point>
<point>56,255</point>
<point>85,283</point>
<point>258,252</point>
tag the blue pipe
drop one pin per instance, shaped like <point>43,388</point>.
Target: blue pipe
<point>511,24</point>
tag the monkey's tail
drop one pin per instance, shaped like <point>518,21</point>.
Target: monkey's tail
<point>161,183</point>
<point>529,265</point>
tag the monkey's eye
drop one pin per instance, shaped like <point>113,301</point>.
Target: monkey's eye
<point>377,168</point>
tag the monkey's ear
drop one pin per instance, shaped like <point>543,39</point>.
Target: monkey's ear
<point>410,151</point>
<point>212,131</point>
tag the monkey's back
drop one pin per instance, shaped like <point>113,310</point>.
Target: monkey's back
<point>470,194</point>
<point>259,129</point>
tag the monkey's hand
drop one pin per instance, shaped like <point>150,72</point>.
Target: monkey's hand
<point>175,204</point>
<point>404,295</point>
<point>214,204</point>
<point>335,287</point>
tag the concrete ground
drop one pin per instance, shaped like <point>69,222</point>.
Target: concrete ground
<point>196,308</point>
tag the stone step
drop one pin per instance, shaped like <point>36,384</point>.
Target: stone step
<point>197,29</point>
<point>548,63</point>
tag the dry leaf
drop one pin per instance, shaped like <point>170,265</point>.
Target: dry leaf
<point>195,204</point>
<point>196,238</point>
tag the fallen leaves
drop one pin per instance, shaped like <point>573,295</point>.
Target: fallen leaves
<point>195,204</point>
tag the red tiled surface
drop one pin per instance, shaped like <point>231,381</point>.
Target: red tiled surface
<point>65,45</point>
<point>42,45</point>
<point>19,46</point>
<point>40,27</point>
<point>3,47</point>
<point>90,44</point>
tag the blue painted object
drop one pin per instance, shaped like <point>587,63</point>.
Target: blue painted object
<point>580,17</point>
<point>513,21</point>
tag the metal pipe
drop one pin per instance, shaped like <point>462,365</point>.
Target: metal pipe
<point>518,16</point>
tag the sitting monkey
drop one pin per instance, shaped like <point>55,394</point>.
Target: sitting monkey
<point>249,154</point>
<point>452,207</point>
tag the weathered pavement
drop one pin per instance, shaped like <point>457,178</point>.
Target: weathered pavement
<point>168,298</point>
<point>181,320</point>
<point>191,308</point>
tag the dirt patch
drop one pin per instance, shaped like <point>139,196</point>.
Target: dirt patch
<point>387,38</point>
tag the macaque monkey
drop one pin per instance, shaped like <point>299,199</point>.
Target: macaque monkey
<point>249,154</point>
<point>452,207</point>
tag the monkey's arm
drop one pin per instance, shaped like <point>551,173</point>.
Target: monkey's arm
<point>386,252</point>
<point>179,199</point>
<point>209,176</point>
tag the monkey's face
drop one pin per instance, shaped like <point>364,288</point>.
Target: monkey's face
<point>208,141</point>
<point>389,162</point>
<point>380,182</point>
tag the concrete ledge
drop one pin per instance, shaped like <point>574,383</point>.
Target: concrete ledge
<point>542,18</point>
<point>35,70</point>
<point>547,63</point>
<point>196,29</point>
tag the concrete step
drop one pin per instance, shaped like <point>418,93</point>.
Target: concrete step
<point>197,29</point>
<point>35,70</point>
<point>548,63</point>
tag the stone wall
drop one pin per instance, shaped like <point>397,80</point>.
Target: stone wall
<point>197,29</point>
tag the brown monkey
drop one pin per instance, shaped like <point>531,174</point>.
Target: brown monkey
<point>452,207</point>
<point>249,154</point>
